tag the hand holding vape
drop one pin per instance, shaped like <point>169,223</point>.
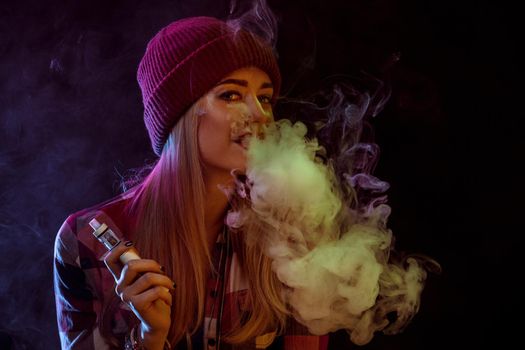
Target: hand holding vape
<point>154,314</point>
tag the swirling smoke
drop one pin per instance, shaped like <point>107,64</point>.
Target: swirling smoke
<point>333,259</point>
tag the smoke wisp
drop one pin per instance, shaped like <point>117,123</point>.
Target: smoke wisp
<point>331,251</point>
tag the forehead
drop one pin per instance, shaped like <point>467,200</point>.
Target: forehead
<point>249,74</point>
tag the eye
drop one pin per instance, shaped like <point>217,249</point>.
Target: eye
<point>230,96</point>
<point>265,99</point>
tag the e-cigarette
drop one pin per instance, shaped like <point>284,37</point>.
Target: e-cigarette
<point>108,237</point>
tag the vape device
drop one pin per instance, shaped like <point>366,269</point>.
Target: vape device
<point>108,237</point>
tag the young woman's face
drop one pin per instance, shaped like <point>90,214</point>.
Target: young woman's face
<point>234,110</point>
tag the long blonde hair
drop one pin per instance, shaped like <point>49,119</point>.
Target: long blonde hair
<point>169,207</point>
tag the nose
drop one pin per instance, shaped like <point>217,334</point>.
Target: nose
<point>258,113</point>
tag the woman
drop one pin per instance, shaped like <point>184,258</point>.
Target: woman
<point>206,89</point>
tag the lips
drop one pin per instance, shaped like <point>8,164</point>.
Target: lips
<point>243,140</point>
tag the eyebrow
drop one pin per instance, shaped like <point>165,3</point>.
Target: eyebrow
<point>244,83</point>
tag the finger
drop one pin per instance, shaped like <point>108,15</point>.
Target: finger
<point>131,271</point>
<point>144,300</point>
<point>145,282</point>
<point>111,259</point>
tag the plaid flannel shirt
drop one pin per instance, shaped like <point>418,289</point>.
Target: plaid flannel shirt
<point>83,286</point>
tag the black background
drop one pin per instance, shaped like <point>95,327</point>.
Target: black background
<point>70,125</point>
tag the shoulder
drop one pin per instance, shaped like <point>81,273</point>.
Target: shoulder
<point>83,285</point>
<point>75,238</point>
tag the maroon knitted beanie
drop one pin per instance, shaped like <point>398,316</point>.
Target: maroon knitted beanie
<point>185,59</point>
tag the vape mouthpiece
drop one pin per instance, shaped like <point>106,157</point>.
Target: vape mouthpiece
<point>94,224</point>
<point>98,228</point>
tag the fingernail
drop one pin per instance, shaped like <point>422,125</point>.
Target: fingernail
<point>128,243</point>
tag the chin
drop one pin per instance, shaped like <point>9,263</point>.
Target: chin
<point>241,169</point>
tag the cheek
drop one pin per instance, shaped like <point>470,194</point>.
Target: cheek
<point>224,124</point>
<point>238,118</point>
<point>213,136</point>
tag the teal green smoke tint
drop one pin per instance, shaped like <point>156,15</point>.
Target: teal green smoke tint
<point>290,186</point>
<point>334,260</point>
